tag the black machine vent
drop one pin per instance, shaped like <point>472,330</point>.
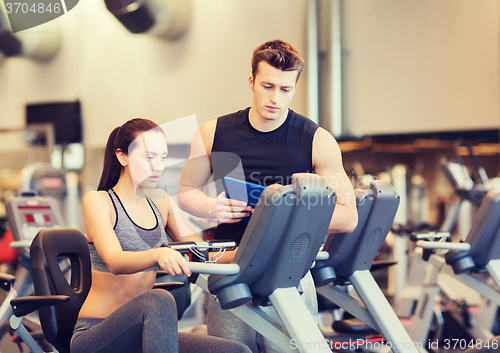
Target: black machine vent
<point>300,247</point>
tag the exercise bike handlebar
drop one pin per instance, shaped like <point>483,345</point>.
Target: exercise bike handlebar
<point>443,245</point>
<point>419,232</point>
<point>322,255</point>
<point>187,247</point>
<point>428,236</point>
<point>18,244</point>
<point>213,268</point>
<point>201,250</point>
<point>197,248</point>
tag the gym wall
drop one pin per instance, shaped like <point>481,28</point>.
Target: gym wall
<point>420,66</point>
<point>118,75</point>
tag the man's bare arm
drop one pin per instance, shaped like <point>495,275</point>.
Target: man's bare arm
<point>327,160</point>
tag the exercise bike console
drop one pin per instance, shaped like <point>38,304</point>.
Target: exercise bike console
<point>29,213</point>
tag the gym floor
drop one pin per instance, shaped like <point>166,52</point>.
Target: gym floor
<point>452,332</point>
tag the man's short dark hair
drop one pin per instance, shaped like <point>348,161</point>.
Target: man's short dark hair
<point>278,54</point>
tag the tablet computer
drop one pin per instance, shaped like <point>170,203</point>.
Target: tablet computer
<point>244,191</point>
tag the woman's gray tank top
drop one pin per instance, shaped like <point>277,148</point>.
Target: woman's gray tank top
<point>131,236</point>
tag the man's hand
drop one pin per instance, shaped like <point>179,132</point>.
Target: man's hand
<point>231,211</point>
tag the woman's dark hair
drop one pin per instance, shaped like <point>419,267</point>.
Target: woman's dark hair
<point>121,138</point>
<point>278,54</point>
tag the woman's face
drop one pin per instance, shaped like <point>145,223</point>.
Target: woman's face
<point>147,159</point>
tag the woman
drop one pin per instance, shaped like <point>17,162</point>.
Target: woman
<point>126,221</point>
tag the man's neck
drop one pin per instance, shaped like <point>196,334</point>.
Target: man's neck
<point>264,125</point>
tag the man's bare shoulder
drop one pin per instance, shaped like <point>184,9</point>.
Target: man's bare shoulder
<point>208,128</point>
<point>323,137</point>
<point>207,133</point>
<point>326,150</point>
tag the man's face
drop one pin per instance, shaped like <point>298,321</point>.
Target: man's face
<point>273,91</point>
<point>147,159</point>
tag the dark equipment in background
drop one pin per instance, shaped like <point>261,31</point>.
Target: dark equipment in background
<point>167,19</point>
<point>66,117</point>
<point>137,18</point>
<point>9,44</point>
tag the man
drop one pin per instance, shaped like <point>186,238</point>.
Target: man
<point>271,142</point>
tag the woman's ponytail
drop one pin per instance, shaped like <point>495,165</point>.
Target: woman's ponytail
<point>112,168</point>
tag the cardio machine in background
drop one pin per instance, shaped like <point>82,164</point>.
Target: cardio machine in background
<point>27,214</point>
<point>475,313</point>
<point>375,326</point>
<point>41,204</point>
<point>469,189</point>
<point>475,264</point>
<point>60,184</point>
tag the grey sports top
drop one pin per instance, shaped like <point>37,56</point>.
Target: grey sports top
<point>131,236</point>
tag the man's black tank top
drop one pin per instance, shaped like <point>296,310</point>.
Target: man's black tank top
<point>266,157</point>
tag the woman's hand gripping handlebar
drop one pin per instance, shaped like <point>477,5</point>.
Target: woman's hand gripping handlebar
<point>201,251</point>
